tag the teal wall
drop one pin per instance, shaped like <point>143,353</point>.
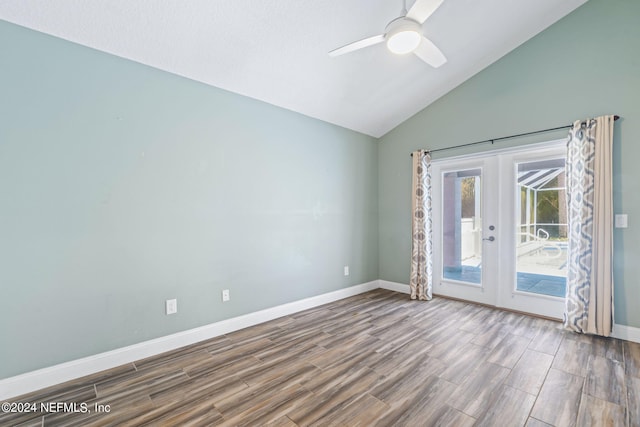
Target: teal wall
<point>586,65</point>
<point>122,186</point>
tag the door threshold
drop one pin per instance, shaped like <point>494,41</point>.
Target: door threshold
<point>505,309</point>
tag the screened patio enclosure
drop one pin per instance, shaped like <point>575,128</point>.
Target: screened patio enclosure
<point>541,227</point>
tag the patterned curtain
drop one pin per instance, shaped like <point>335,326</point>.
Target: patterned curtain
<point>589,302</point>
<point>421,234</point>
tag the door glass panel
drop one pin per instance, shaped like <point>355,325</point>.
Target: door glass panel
<point>462,226</point>
<point>541,228</point>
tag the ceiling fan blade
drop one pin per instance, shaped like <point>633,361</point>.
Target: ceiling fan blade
<point>429,53</point>
<point>357,45</point>
<point>422,9</point>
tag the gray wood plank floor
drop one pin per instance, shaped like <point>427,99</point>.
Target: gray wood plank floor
<point>373,359</point>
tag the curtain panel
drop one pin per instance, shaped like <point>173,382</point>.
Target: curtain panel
<point>421,228</point>
<point>589,298</point>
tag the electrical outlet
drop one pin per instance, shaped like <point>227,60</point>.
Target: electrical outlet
<point>225,295</point>
<point>171,306</point>
<point>346,270</point>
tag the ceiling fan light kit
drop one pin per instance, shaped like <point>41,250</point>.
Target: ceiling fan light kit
<point>403,35</point>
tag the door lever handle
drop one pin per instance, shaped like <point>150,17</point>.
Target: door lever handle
<point>490,238</point>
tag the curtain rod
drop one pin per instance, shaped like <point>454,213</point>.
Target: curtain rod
<point>503,137</point>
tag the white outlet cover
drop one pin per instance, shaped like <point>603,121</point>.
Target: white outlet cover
<point>171,306</point>
<point>346,270</point>
<point>225,295</point>
<point>621,221</point>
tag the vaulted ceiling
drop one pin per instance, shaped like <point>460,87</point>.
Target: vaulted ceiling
<point>276,50</point>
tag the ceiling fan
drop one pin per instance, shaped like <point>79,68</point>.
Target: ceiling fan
<point>404,35</point>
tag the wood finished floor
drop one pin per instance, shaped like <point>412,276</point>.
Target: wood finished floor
<point>373,359</point>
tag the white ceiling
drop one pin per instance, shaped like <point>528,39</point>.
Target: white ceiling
<point>276,50</point>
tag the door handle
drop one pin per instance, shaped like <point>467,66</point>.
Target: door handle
<point>490,238</point>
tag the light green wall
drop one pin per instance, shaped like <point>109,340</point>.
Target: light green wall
<point>586,65</point>
<point>122,186</point>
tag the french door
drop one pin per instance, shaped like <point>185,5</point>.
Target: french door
<point>500,228</point>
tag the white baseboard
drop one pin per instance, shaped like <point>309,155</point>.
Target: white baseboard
<point>627,333</point>
<point>394,286</point>
<point>41,378</point>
